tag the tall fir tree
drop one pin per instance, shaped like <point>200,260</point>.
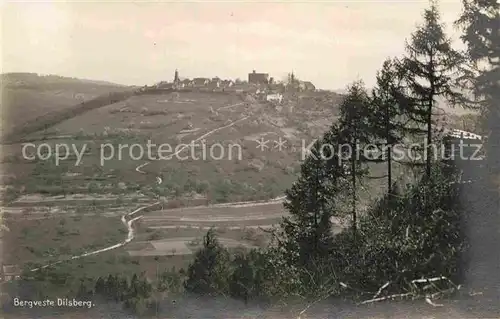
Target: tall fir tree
<point>242,278</point>
<point>430,68</point>
<point>480,22</point>
<point>311,200</point>
<point>209,272</point>
<point>387,119</point>
<point>354,134</point>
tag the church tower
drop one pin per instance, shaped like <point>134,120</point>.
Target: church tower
<point>176,76</point>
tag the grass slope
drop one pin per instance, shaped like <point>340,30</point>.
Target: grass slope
<point>28,97</point>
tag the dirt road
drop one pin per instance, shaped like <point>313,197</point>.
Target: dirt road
<point>128,219</point>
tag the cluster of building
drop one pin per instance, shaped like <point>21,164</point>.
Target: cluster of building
<point>257,83</point>
<point>292,83</point>
<point>196,83</point>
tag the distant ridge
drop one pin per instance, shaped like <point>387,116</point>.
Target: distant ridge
<point>30,76</point>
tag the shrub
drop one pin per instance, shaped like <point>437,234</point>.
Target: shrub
<point>408,235</point>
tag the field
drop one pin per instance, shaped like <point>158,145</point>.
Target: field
<point>41,240</point>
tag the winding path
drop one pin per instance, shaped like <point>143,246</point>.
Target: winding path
<point>130,237</point>
<point>130,223</point>
<point>138,168</point>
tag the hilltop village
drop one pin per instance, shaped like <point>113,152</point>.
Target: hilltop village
<point>258,84</point>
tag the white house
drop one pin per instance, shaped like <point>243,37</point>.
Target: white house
<point>460,134</point>
<point>79,96</point>
<point>10,272</point>
<point>215,83</point>
<point>200,82</point>
<point>227,83</point>
<point>276,97</point>
<point>467,144</point>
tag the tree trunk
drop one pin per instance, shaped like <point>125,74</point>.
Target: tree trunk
<point>389,149</point>
<point>429,140</point>
<point>353,172</point>
<point>432,93</point>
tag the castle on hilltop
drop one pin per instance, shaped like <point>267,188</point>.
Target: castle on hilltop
<point>257,83</point>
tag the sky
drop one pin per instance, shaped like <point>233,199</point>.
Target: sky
<point>330,43</point>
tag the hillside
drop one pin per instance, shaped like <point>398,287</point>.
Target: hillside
<point>91,190</point>
<point>178,118</point>
<point>231,124</point>
<point>26,97</point>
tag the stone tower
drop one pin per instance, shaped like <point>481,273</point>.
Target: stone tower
<point>176,76</point>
